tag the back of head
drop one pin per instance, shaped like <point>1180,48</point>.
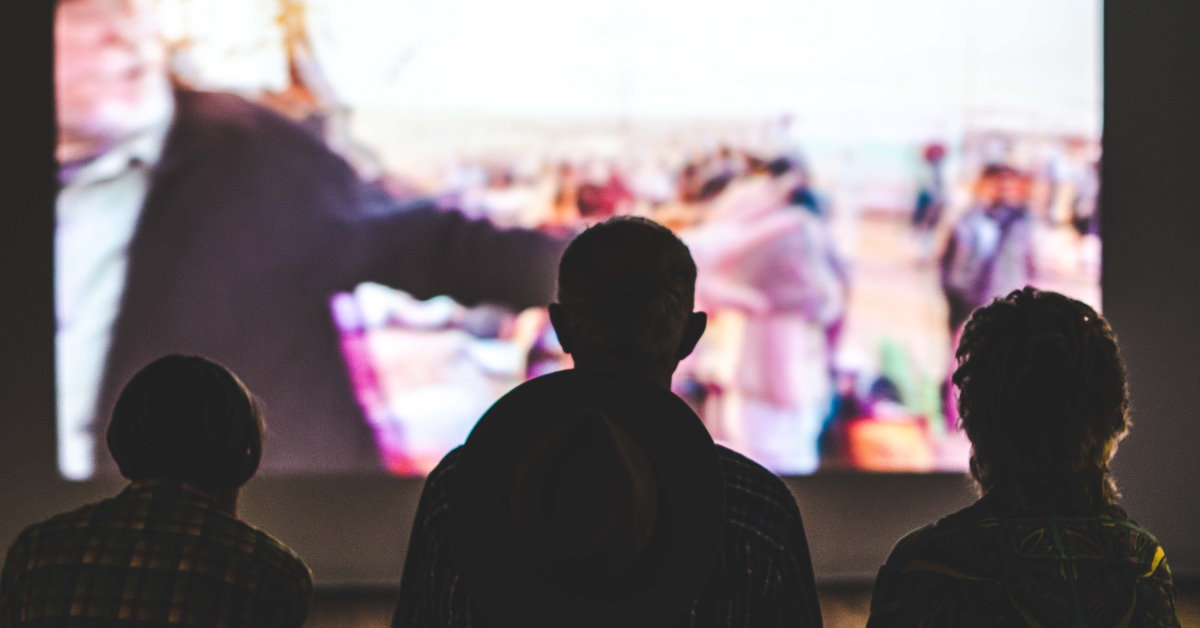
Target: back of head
<point>627,286</point>
<point>189,419</point>
<point>1043,399</point>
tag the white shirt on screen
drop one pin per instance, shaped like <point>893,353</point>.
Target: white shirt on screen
<point>95,217</point>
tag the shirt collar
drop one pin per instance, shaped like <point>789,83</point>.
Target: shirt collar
<point>143,149</point>
<point>166,484</point>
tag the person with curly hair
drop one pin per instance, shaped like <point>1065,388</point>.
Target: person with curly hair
<point>1044,402</point>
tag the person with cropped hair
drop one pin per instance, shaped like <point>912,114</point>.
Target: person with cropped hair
<point>594,497</point>
<point>170,548</point>
<point>1044,402</point>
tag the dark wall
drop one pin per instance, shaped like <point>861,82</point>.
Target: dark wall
<point>355,529</point>
<point>1151,231</point>
<point>26,252</point>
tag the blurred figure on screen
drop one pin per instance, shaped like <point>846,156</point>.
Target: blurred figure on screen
<point>931,197</point>
<point>990,249</point>
<point>199,222</point>
<point>780,330</point>
<point>931,192</point>
<point>169,550</point>
<point>1044,402</point>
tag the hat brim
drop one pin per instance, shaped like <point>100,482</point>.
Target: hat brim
<point>691,509</point>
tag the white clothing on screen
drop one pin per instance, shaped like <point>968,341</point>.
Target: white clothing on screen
<point>95,217</point>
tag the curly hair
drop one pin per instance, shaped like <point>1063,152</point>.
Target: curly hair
<point>1043,399</point>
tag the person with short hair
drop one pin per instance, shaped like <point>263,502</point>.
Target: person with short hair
<point>1043,399</point>
<point>594,497</point>
<point>170,548</point>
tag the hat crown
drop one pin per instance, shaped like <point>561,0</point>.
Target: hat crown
<point>585,500</point>
<point>599,569</point>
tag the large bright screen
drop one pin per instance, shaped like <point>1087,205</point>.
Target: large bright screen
<point>358,205</point>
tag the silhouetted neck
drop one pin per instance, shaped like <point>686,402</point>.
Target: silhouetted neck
<point>622,369</point>
<point>224,499</point>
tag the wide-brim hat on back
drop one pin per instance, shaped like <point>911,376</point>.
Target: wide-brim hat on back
<point>587,501</point>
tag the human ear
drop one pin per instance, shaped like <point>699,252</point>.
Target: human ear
<point>558,320</point>
<point>693,329</point>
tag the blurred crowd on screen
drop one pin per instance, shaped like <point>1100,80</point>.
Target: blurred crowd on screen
<point>785,373</point>
<point>836,279</point>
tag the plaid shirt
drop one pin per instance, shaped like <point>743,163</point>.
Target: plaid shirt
<point>159,553</point>
<point>763,575</point>
<point>988,565</point>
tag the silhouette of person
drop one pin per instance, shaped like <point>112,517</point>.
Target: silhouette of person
<point>169,549</point>
<point>594,496</point>
<point>1043,399</point>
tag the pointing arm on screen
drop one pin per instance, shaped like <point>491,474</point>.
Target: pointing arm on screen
<point>427,251</point>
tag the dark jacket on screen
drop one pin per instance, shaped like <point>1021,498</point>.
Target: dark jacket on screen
<point>250,224</point>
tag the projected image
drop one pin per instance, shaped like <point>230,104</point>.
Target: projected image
<point>358,206</point>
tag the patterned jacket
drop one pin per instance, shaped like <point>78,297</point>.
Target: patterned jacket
<point>988,565</point>
<point>159,553</point>
<point>763,576</point>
